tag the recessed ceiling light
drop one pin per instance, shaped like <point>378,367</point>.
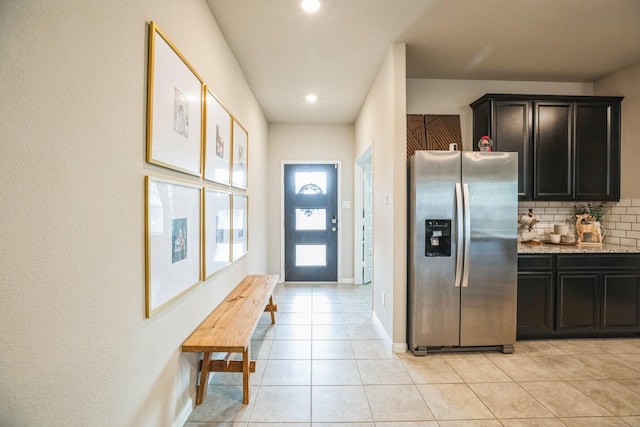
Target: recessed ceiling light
<point>311,98</point>
<point>310,5</point>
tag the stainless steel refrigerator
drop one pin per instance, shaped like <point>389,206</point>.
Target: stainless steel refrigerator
<point>463,209</point>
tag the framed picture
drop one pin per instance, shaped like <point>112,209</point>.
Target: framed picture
<point>240,238</point>
<point>217,148</point>
<point>174,107</point>
<point>240,156</point>
<point>217,231</point>
<point>172,240</point>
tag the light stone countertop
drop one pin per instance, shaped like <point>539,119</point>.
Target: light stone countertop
<point>547,248</point>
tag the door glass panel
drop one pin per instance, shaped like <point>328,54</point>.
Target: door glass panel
<point>311,219</point>
<point>311,255</point>
<point>311,182</point>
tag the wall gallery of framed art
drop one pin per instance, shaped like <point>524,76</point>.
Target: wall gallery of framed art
<point>197,225</point>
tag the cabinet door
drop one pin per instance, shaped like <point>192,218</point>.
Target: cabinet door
<point>535,302</point>
<point>416,134</point>
<point>552,138</point>
<point>621,306</point>
<point>577,306</point>
<point>596,156</point>
<point>511,132</point>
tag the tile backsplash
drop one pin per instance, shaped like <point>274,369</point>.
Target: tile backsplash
<point>621,220</point>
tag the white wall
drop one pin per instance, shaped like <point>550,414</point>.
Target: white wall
<point>313,143</point>
<point>381,124</point>
<point>75,347</point>
<point>436,96</point>
<point>626,82</point>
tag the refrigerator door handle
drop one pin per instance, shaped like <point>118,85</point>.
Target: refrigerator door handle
<point>460,232</point>
<point>467,235</point>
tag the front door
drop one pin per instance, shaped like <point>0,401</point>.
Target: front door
<point>311,222</point>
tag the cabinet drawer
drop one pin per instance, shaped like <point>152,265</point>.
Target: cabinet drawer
<point>599,261</point>
<point>535,262</point>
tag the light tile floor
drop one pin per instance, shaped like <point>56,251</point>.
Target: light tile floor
<point>325,364</point>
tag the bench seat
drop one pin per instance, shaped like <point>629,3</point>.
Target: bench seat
<point>228,329</point>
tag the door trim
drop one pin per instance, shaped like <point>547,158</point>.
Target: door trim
<point>358,206</point>
<point>339,210</point>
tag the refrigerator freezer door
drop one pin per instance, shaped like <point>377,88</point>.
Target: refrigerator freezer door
<point>434,299</point>
<point>488,303</point>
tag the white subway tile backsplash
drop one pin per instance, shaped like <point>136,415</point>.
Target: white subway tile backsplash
<point>633,234</point>
<point>621,219</point>
<point>617,233</point>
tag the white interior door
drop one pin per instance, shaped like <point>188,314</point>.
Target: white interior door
<point>367,225</point>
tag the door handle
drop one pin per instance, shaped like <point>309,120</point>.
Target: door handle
<point>467,235</point>
<point>334,229</point>
<point>460,233</point>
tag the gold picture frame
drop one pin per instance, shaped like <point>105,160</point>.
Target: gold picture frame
<point>218,140</point>
<point>175,105</point>
<point>240,157</point>
<point>173,248</point>
<point>240,226</point>
<point>217,231</point>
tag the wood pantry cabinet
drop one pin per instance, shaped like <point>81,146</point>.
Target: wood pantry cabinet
<point>568,146</point>
<point>578,295</point>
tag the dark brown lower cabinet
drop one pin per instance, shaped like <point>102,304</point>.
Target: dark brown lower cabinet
<point>536,285</point>
<point>535,303</point>
<point>578,302</point>
<point>578,295</point>
<point>621,305</point>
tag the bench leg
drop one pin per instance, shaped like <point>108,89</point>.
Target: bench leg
<point>204,378</point>
<point>246,370</point>
<point>273,314</point>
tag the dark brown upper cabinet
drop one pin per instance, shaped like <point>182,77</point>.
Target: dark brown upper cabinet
<point>596,151</point>
<point>568,146</point>
<point>552,146</point>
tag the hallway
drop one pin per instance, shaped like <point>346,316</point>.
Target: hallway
<point>325,364</point>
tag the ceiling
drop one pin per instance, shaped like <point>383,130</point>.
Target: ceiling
<point>286,53</point>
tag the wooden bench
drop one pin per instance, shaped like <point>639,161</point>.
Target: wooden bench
<point>228,329</point>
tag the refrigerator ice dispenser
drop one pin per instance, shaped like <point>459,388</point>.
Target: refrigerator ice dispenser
<point>438,237</point>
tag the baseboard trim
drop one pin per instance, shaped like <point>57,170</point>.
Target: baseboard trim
<point>399,347</point>
<point>383,332</point>
<point>183,416</point>
<point>396,347</point>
